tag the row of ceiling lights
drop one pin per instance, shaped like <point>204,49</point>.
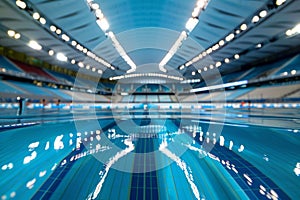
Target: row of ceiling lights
<point>192,81</point>
<point>59,56</point>
<point>64,37</point>
<point>190,25</point>
<point>146,75</point>
<point>104,25</point>
<point>230,37</point>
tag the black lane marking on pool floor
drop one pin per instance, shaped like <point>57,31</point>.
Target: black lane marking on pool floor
<point>244,167</point>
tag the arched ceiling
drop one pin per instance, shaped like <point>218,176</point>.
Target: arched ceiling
<point>147,29</point>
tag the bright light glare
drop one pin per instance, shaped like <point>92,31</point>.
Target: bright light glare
<point>280,2</point>
<point>65,37</point>
<point>220,86</point>
<point>11,33</point>
<point>34,45</point>
<point>172,51</point>
<point>58,31</point>
<point>21,4</point>
<point>80,64</point>
<point>229,37</point>
<point>52,28</point>
<point>95,6</point>
<point>51,52</point>
<point>255,19</point>
<point>42,20</point>
<point>243,27</point>
<point>201,3</point>
<point>191,24</point>
<point>218,64</point>
<point>36,15</point>
<point>293,31</point>
<point>61,57</point>
<point>103,24</point>
<point>263,13</point>
<point>17,36</point>
<point>221,42</point>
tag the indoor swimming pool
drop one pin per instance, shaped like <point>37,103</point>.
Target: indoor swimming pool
<point>150,154</point>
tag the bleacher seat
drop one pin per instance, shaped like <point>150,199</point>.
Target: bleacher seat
<point>35,71</point>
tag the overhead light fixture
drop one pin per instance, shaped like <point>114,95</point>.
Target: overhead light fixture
<point>95,6</point>
<point>51,52</point>
<point>243,27</point>
<point>74,43</point>
<point>146,75</point>
<point>279,2</point>
<point>11,33</point>
<point>61,57</point>
<point>218,64</point>
<point>236,56</point>
<point>99,14</point>
<point>258,45</point>
<point>34,45</point>
<point>255,19</point>
<point>188,63</point>
<point>121,51</point>
<point>293,31</point>
<point>103,24</point>
<point>263,13</point>
<point>73,61</point>
<point>172,51</point>
<point>229,37</point>
<point>289,32</point>
<point>58,31</point>
<point>221,42</point>
<point>193,73</point>
<point>216,47</point>
<point>196,12</point>
<point>209,51</point>
<point>99,71</point>
<point>202,4</point>
<point>191,23</point>
<point>65,37</point>
<point>226,60</point>
<point>36,15</point>
<point>21,4</point>
<point>80,64</point>
<point>42,20</point>
<point>195,59</point>
<point>17,36</point>
<point>52,28</point>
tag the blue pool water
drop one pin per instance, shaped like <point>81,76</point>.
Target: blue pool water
<point>146,156</point>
